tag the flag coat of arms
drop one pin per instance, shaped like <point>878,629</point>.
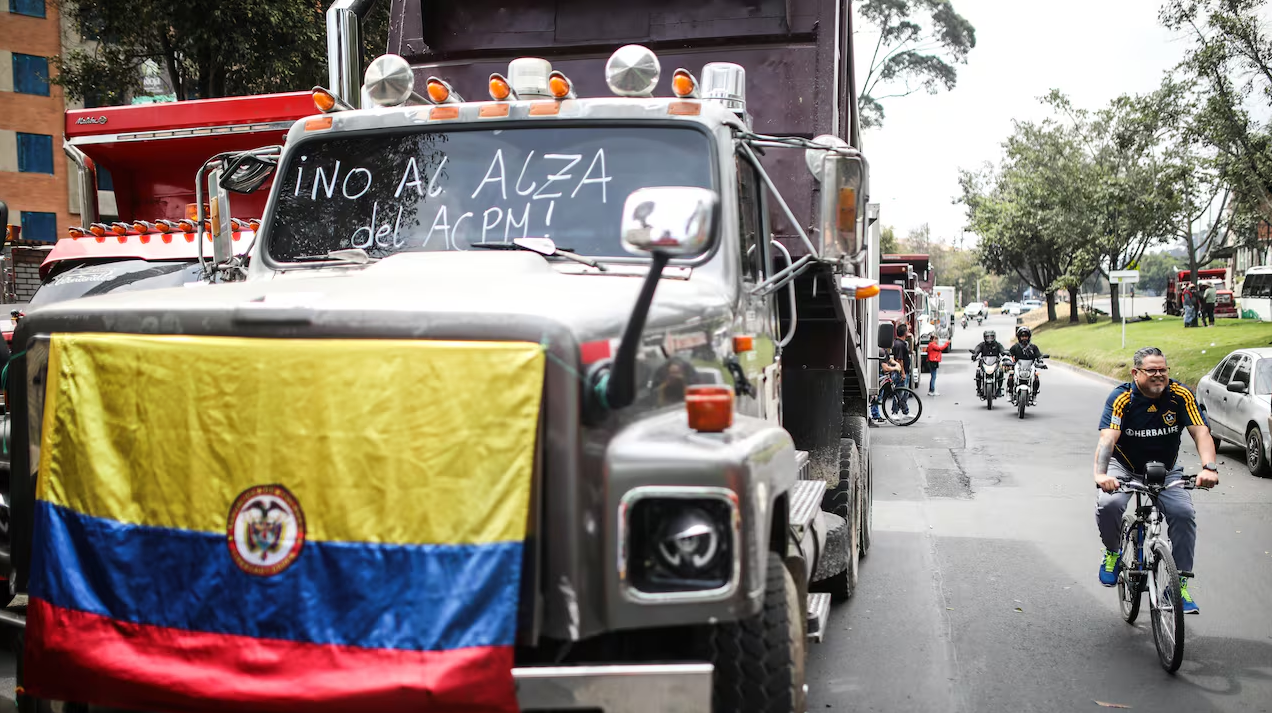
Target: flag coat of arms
<point>270,524</point>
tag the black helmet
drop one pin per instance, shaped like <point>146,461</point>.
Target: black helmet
<point>989,335</point>
<point>1023,332</point>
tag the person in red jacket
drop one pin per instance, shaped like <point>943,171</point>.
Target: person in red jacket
<point>934,352</point>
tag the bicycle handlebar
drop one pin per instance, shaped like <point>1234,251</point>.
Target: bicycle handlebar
<point>1130,485</point>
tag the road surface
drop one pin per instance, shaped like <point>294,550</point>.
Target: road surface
<point>980,591</point>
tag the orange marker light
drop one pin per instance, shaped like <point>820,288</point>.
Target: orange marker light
<point>75,232</point>
<point>683,83</point>
<point>710,408</point>
<point>186,226</point>
<point>324,101</point>
<point>165,226</point>
<point>559,85</point>
<point>119,228</point>
<point>438,92</point>
<point>141,226</point>
<point>743,344</point>
<point>318,124</point>
<point>867,292</point>
<point>254,224</point>
<point>500,90</point>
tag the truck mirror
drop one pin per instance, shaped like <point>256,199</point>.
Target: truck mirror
<point>887,333</point>
<point>219,214</point>
<point>677,221</point>
<point>843,202</point>
<point>246,173</point>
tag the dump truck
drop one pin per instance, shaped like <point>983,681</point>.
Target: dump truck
<point>542,387</point>
<point>1217,277</point>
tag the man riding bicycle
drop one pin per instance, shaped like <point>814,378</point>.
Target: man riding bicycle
<point>988,347</point>
<point>1142,422</point>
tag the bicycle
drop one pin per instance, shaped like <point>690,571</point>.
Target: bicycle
<point>1147,563</point>
<point>890,395</point>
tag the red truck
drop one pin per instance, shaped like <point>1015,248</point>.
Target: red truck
<point>1225,303</point>
<point>908,278</point>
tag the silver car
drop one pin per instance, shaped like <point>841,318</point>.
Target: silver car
<point>1237,397</point>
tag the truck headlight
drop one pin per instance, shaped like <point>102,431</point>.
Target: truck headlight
<point>679,542</point>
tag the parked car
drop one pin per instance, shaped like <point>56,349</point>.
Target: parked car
<point>1237,397</point>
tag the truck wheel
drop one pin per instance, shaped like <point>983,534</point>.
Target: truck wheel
<point>844,501</point>
<point>759,662</point>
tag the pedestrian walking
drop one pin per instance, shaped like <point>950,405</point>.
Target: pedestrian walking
<point>934,351</point>
<point>1208,297</point>
<point>1190,307</point>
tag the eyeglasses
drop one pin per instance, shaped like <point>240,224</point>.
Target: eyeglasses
<point>1155,372</point>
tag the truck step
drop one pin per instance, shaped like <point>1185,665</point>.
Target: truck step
<point>818,615</point>
<point>805,502</point>
<point>801,464</point>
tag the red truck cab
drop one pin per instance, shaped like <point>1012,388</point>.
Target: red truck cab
<point>1225,302</point>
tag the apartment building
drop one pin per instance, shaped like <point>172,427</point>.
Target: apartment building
<point>34,172</point>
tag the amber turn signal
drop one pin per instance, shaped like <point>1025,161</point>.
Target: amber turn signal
<point>438,92</point>
<point>710,408</point>
<point>683,84</point>
<point>500,90</point>
<point>324,101</point>
<point>559,85</point>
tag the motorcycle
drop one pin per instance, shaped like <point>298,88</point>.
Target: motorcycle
<point>992,370</point>
<point>964,321</point>
<point>1023,378</point>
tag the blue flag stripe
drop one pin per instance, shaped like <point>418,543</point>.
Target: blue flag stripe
<point>409,597</point>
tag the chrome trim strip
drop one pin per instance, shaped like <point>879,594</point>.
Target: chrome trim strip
<point>683,492</point>
<point>183,133</point>
<point>667,688</point>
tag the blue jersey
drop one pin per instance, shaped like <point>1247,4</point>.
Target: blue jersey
<point>1150,428</point>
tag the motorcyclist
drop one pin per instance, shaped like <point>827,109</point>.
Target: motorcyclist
<point>989,346</point>
<point>1024,348</point>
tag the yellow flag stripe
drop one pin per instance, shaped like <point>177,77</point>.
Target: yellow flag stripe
<point>389,441</point>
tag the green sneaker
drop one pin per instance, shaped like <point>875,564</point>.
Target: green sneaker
<point>1110,568</point>
<point>1190,607</point>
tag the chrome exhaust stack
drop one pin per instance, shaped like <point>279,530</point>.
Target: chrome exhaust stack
<point>344,49</point>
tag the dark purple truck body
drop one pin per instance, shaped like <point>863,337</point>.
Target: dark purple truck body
<point>796,54</point>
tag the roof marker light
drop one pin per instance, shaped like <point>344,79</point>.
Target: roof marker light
<point>254,224</point>
<point>440,92</point>
<point>98,229</point>
<point>500,89</point>
<point>119,228</point>
<point>560,86</point>
<point>165,226</point>
<point>684,84</point>
<point>185,226</point>
<point>325,101</point>
<point>142,227</point>
<point>76,232</point>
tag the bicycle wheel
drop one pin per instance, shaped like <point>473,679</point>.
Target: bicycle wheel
<point>903,395</point>
<point>1130,585</point>
<point>1167,609</point>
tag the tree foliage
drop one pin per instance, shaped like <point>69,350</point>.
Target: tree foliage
<point>206,49</point>
<point>919,44</point>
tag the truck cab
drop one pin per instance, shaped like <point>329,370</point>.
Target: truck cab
<point>485,292</point>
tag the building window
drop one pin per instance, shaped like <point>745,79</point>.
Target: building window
<point>30,74</point>
<point>35,153</point>
<point>34,8</point>
<point>39,226</point>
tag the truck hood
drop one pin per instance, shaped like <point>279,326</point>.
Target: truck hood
<point>591,305</point>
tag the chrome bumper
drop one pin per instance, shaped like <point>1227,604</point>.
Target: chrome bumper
<point>666,688</point>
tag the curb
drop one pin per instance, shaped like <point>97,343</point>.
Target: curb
<point>1086,372</point>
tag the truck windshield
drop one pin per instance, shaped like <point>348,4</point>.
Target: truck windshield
<point>450,190</point>
<point>98,279</point>
<point>890,300</point>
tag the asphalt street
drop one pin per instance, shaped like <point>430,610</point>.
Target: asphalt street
<point>980,591</point>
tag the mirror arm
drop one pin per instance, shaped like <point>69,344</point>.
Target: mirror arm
<point>783,277</point>
<point>615,388</point>
<point>755,162</point>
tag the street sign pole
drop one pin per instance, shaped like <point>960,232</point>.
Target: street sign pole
<point>1123,277</point>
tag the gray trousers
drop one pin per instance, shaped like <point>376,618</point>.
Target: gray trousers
<point>1176,504</point>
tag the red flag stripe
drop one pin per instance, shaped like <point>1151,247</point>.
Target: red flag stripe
<point>107,662</point>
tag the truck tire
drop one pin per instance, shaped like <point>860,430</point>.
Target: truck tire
<point>759,662</point>
<point>867,502</point>
<point>855,427</point>
<point>844,500</point>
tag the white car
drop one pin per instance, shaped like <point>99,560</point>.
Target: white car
<point>1009,306</point>
<point>1237,398</point>
<point>1032,304</point>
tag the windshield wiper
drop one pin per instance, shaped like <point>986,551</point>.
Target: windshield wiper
<point>353,256</point>
<point>543,246</point>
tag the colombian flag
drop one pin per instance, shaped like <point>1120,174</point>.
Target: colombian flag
<point>268,524</point>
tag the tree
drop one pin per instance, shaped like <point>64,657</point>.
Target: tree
<point>206,49</point>
<point>1127,182</point>
<point>909,56</point>
<point>888,240</point>
<point>1230,67</point>
<point>1029,211</point>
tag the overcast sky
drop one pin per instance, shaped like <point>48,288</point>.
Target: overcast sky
<point>1091,50</point>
